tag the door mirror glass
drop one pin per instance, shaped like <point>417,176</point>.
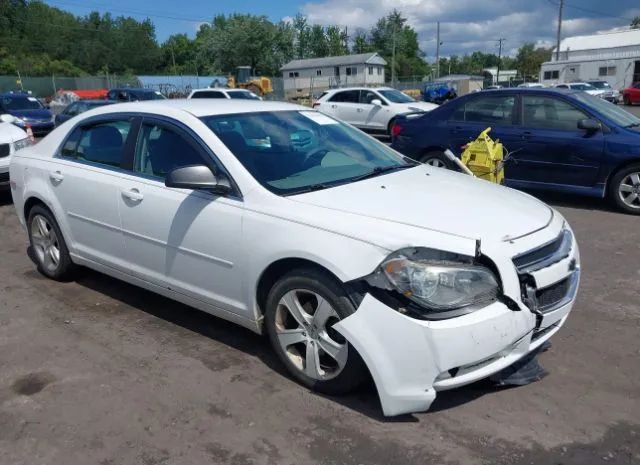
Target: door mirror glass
<point>589,125</point>
<point>198,177</point>
<point>377,102</point>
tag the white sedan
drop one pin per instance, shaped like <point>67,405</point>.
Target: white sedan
<point>12,139</point>
<point>349,256</point>
<point>370,109</point>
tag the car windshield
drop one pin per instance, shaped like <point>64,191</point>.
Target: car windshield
<point>395,96</point>
<point>582,87</point>
<point>291,152</point>
<point>20,103</point>
<point>243,95</point>
<point>610,111</point>
<point>153,95</point>
<point>600,85</point>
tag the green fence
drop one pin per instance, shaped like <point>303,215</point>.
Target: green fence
<point>47,86</point>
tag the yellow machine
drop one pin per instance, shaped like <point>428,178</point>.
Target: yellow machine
<point>242,79</point>
<point>484,158</point>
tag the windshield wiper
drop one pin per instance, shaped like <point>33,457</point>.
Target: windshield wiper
<point>378,170</point>
<point>632,125</point>
<point>311,188</point>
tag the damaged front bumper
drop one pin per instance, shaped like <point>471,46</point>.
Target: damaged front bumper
<point>411,360</point>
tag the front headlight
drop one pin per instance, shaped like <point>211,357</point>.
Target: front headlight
<point>440,282</point>
<point>19,122</point>
<point>22,144</point>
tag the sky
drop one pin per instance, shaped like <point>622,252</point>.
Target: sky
<point>465,25</point>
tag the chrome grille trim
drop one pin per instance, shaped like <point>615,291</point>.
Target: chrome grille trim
<point>545,255</point>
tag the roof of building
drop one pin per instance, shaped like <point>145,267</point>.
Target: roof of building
<point>625,38</point>
<point>503,72</point>
<point>182,82</point>
<point>459,77</point>
<point>341,60</point>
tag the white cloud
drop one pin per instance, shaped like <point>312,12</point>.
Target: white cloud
<point>468,25</point>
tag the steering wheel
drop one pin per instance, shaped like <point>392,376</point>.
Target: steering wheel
<point>314,155</point>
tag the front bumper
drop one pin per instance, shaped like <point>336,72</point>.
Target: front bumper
<point>411,360</point>
<point>39,129</point>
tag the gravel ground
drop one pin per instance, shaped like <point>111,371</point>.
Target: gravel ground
<point>96,371</point>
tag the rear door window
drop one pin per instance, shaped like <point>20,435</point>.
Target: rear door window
<point>102,143</point>
<point>498,110</point>
<point>208,94</point>
<point>346,96</point>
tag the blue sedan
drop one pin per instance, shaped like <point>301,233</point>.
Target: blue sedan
<point>565,141</point>
<point>29,112</point>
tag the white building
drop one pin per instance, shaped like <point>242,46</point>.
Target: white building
<point>307,77</point>
<point>503,78</point>
<point>610,56</point>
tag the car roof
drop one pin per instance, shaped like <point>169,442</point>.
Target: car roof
<point>527,90</point>
<point>16,94</point>
<point>199,107</point>
<point>133,89</point>
<point>359,88</point>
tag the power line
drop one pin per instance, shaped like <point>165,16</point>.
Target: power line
<point>589,10</point>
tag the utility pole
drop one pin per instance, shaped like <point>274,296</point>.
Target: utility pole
<point>438,49</point>
<point>559,30</point>
<point>393,57</point>
<point>500,40</point>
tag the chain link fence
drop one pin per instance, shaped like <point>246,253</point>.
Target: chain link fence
<point>44,87</point>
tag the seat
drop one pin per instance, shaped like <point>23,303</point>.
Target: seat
<point>105,146</point>
<point>167,152</point>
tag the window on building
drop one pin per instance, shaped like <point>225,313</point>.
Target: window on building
<point>352,71</point>
<point>294,74</point>
<point>379,70</point>
<point>551,74</point>
<point>370,70</point>
<point>318,72</point>
<point>607,71</point>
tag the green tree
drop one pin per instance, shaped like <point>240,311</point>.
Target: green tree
<point>336,41</point>
<point>318,44</point>
<point>529,59</point>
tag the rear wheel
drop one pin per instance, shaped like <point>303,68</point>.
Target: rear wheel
<point>624,189</point>
<point>627,100</point>
<point>48,247</point>
<point>390,126</point>
<point>301,309</point>
<point>437,159</point>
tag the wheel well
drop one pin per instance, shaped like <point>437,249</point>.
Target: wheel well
<point>614,171</point>
<point>30,203</point>
<point>277,270</point>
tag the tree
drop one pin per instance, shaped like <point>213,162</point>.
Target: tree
<point>318,44</point>
<point>179,55</point>
<point>635,23</point>
<point>529,59</point>
<point>336,41</point>
<point>361,42</point>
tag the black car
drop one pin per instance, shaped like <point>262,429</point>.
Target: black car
<point>128,94</point>
<point>78,107</point>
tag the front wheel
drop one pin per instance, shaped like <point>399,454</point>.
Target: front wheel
<point>627,100</point>
<point>624,189</point>
<point>301,309</point>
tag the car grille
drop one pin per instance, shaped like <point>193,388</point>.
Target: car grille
<point>5,150</point>
<point>552,297</point>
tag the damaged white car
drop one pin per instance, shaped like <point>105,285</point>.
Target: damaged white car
<point>12,139</point>
<point>351,257</point>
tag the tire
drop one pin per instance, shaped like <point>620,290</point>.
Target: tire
<point>624,189</point>
<point>627,100</point>
<point>389,126</point>
<point>436,159</point>
<point>295,343</point>
<point>47,245</point>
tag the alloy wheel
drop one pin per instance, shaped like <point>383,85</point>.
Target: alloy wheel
<point>45,243</point>
<point>304,321</point>
<point>435,162</point>
<point>629,190</point>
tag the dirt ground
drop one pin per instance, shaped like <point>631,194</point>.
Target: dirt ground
<point>96,371</point>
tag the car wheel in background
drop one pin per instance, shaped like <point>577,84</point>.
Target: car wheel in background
<point>301,309</point>
<point>48,247</point>
<point>624,189</point>
<point>627,100</point>
<point>436,159</point>
<point>390,127</point>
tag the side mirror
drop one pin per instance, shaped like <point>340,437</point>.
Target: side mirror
<point>198,177</point>
<point>589,125</point>
<point>7,118</point>
<point>377,102</point>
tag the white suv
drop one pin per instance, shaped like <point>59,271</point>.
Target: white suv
<point>370,109</point>
<point>240,94</point>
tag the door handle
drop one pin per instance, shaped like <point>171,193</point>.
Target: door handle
<point>56,176</point>
<point>334,106</point>
<point>360,110</point>
<point>527,135</point>
<point>133,194</point>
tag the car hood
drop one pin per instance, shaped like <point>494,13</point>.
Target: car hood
<point>10,133</point>
<point>419,106</point>
<point>32,114</point>
<point>437,200</point>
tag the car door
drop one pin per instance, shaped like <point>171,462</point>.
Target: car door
<point>552,149</point>
<point>186,240</point>
<point>84,181</point>
<point>344,105</point>
<point>373,116</point>
<point>496,110</point>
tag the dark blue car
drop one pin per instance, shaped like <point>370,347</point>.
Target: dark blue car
<point>29,111</point>
<point>565,141</point>
<point>78,107</point>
